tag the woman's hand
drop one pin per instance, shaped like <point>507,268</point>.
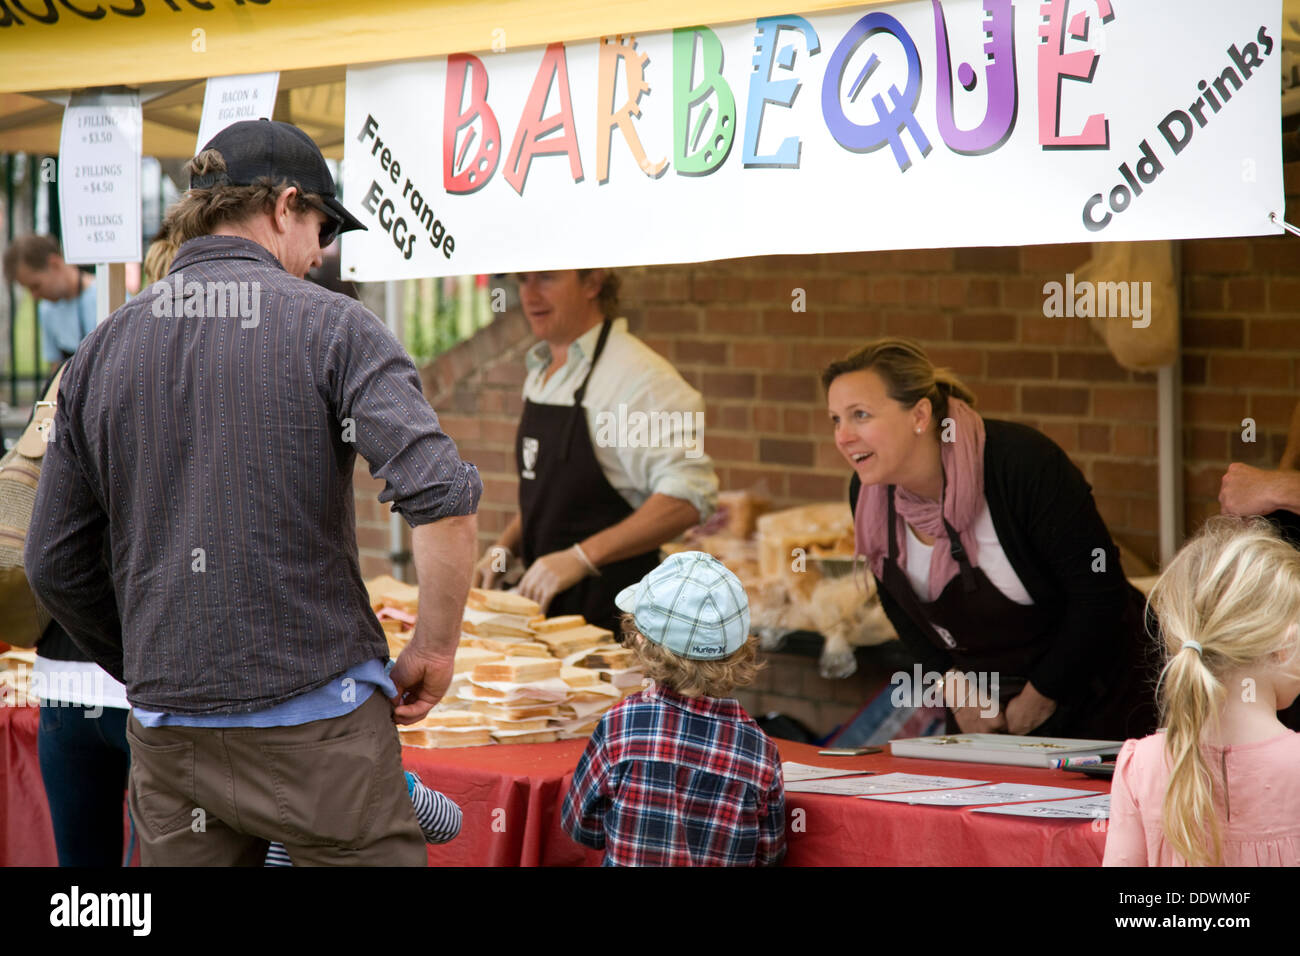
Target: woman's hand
<point>972,715</point>
<point>969,721</point>
<point>1028,710</point>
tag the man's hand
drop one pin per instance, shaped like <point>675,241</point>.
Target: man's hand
<point>421,680</point>
<point>443,551</point>
<point>550,574</point>
<point>492,567</point>
<point>1028,710</point>
<point>1247,491</point>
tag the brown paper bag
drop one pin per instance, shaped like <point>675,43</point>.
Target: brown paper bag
<point>1154,342</point>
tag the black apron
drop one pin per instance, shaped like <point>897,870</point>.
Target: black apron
<point>565,497</point>
<point>984,631</point>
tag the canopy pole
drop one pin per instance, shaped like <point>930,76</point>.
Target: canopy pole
<point>110,289</point>
<point>1169,435</point>
<point>398,552</point>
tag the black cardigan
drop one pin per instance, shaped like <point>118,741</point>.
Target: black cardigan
<point>1048,525</point>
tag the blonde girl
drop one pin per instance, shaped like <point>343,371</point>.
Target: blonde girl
<point>1221,784</point>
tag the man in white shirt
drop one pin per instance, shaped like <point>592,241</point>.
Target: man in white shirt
<point>609,452</point>
<point>65,295</point>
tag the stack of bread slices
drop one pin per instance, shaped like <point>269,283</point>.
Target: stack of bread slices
<point>395,604</point>
<point>520,677</point>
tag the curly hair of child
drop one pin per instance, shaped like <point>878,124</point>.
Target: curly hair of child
<point>692,678</point>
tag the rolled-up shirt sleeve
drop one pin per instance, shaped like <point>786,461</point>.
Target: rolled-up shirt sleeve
<point>674,463</point>
<point>372,384</point>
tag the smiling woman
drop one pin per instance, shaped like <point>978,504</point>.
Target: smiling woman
<point>988,550</point>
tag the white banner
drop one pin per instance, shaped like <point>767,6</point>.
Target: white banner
<point>966,123</point>
<point>99,178</point>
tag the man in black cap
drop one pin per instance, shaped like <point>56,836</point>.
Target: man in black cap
<point>208,430</point>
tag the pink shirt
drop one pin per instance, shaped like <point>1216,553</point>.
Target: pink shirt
<point>1259,827</point>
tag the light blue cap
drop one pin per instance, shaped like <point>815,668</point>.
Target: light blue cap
<point>692,605</point>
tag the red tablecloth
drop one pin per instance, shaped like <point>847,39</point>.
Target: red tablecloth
<point>24,814</point>
<point>511,798</point>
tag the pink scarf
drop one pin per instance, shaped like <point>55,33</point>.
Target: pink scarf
<point>963,467</point>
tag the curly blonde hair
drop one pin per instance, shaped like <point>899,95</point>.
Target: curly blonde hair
<point>688,677</point>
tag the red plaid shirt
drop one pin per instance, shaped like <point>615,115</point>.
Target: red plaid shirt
<point>668,780</point>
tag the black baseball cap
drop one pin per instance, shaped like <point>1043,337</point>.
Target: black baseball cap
<point>281,151</point>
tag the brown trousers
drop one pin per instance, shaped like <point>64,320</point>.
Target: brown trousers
<point>332,791</point>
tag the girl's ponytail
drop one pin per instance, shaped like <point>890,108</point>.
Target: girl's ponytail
<point>1228,600</point>
<point>1192,698</point>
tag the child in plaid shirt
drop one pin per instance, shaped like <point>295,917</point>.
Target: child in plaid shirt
<point>677,775</point>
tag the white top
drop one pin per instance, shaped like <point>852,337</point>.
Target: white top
<point>992,561</point>
<point>645,421</point>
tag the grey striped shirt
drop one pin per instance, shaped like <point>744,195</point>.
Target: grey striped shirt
<point>214,452</point>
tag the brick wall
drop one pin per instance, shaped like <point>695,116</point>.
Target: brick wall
<point>729,329</point>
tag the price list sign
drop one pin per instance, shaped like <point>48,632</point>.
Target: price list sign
<point>99,178</point>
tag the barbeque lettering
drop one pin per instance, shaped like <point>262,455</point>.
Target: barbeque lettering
<point>1055,65</point>
<point>634,79</point>
<point>528,142</point>
<point>476,173</point>
<point>763,89</point>
<point>1000,114</point>
<point>893,119</point>
<point>696,153</point>
<point>704,109</point>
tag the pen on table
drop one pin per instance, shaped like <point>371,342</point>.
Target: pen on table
<point>1065,763</point>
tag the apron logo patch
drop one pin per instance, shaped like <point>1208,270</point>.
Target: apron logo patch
<point>944,633</point>
<point>530,447</point>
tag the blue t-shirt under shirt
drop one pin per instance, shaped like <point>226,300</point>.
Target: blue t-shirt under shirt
<point>65,323</point>
<point>340,696</point>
